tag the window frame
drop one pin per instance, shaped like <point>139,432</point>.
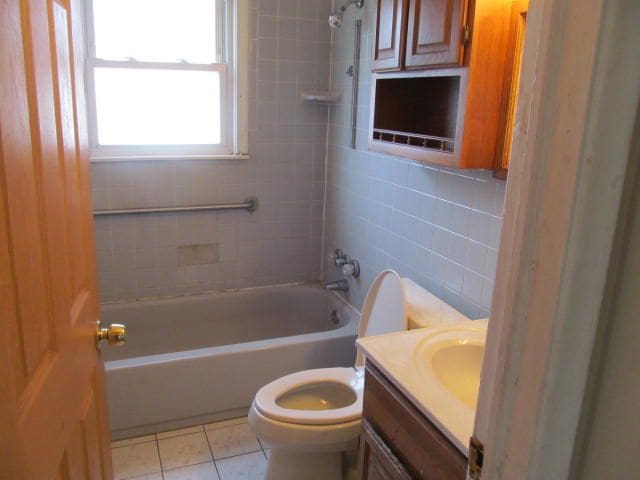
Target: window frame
<point>232,53</point>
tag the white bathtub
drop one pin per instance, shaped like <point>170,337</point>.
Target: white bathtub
<point>198,359</point>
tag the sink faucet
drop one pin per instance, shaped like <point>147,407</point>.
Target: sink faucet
<point>337,286</point>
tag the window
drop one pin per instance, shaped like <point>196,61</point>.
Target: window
<point>163,78</point>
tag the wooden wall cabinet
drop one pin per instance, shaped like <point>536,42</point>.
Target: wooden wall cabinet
<point>390,40</point>
<point>435,33</point>
<point>459,116</point>
<point>398,442</point>
<point>419,34</point>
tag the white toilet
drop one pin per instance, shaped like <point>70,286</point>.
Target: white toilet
<point>311,418</point>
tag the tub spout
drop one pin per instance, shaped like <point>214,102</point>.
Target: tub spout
<point>337,286</point>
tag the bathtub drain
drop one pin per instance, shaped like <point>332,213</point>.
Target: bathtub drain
<point>335,317</point>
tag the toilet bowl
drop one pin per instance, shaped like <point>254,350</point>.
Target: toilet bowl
<point>311,419</point>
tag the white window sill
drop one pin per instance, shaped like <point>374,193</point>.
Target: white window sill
<point>173,157</point>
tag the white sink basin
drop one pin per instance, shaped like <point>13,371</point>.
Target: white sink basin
<point>453,357</point>
<point>438,369</point>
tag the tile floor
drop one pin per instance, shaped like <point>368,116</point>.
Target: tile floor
<point>225,450</point>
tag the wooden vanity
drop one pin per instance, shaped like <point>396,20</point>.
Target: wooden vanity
<point>398,441</point>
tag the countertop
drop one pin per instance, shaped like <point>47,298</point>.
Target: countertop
<point>395,355</point>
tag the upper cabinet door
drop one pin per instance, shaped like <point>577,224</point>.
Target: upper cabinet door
<point>435,33</point>
<point>390,41</point>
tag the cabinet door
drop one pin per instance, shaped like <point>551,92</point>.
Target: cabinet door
<point>390,41</point>
<point>377,461</point>
<point>435,33</point>
<point>402,438</point>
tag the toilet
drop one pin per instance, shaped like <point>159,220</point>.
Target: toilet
<point>311,419</point>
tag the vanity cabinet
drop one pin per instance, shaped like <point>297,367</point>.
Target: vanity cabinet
<point>418,34</point>
<point>398,442</point>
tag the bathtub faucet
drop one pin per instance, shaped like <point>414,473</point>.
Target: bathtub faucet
<point>337,286</point>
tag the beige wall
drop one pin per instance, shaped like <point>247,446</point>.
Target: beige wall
<point>612,427</point>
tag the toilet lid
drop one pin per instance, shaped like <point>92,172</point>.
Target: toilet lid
<point>384,309</point>
<point>266,400</point>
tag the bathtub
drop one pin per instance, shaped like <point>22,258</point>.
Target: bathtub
<point>199,359</point>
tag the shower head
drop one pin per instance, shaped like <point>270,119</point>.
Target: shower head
<point>335,19</point>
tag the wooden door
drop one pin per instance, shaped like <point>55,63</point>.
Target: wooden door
<point>390,40</point>
<point>435,33</point>
<point>53,421</point>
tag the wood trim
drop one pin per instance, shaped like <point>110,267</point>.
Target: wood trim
<point>511,86</point>
<point>486,69</point>
<point>580,90</point>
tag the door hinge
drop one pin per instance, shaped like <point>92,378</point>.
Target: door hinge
<point>466,35</point>
<point>476,458</point>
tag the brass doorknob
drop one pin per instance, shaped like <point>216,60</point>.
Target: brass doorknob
<point>115,334</point>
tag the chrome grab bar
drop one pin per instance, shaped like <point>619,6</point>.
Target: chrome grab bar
<point>250,205</point>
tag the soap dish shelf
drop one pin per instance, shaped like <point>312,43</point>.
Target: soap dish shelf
<point>320,97</point>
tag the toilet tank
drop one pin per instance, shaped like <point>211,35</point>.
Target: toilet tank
<point>424,309</point>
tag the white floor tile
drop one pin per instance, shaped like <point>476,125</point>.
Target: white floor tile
<point>203,471</point>
<point>234,440</point>
<point>251,466</point>
<point>133,441</point>
<point>225,423</point>
<point>153,476</point>
<point>179,432</point>
<point>266,447</point>
<point>135,460</point>
<point>183,451</point>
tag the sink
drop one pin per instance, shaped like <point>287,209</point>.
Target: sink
<point>438,369</point>
<point>453,358</point>
<point>458,368</point>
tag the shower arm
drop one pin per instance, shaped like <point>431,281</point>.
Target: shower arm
<point>345,5</point>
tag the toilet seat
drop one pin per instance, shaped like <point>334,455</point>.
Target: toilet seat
<point>384,311</point>
<point>267,396</point>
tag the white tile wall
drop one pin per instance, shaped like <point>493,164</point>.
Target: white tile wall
<point>281,242</point>
<point>438,226</point>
